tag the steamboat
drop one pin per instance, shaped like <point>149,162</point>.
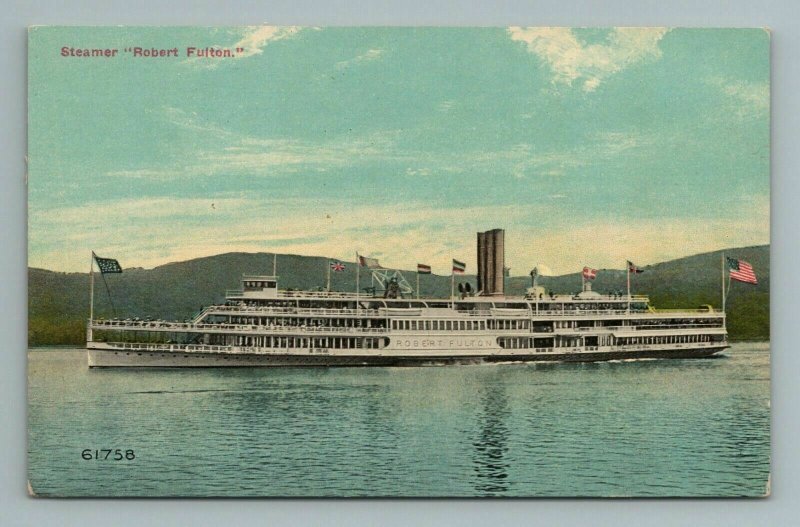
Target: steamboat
<point>262,325</point>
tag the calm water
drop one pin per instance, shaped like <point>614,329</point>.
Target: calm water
<point>646,428</point>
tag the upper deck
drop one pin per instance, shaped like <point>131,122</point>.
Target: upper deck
<point>260,293</point>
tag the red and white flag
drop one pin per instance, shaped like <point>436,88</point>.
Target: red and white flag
<point>741,271</point>
<point>589,273</point>
<point>370,263</point>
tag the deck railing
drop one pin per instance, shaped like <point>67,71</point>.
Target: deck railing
<point>160,325</point>
<point>291,310</point>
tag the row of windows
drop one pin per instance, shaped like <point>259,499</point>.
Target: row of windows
<point>606,340</point>
<point>671,339</point>
<point>305,322</point>
<point>439,325</point>
<point>300,342</point>
<point>524,342</point>
<point>249,284</point>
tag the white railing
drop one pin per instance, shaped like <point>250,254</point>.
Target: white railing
<point>599,298</point>
<point>313,311</point>
<point>185,348</point>
<point>159,325</point>
<point>321,294</point>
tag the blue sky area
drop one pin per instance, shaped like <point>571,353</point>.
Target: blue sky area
<point>589,146</point>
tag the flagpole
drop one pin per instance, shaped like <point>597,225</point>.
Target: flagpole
<point>91,298</point>
<point>722,269</point>
<point>358,277</point>
<point>728,291</point>
<point>328,284</point>
<point>536,291</point>
<point>628,272</point>
<point>417,283</point>
<point>274,264</point>
<point>452,283</point>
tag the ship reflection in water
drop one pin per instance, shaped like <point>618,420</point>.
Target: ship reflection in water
<point>491,443</point>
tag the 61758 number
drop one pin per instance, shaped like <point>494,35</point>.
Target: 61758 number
<point>107,454</point>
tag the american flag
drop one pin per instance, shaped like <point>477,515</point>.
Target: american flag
<point>107,265</point>
<point>741,271</point>
<point>589,273</point>
<point>337,267</point>
<point>632,268</point>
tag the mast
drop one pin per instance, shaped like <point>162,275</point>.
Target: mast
<point>628,273</point>
<point>91,300</point>
<point>328,283</point>
<point>274,264</point>
<point>358,278</point>
<point>418,283</point>
<point>91,292</point>
<point>722,269</point>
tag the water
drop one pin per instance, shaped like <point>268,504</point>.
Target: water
<point>641,428</point>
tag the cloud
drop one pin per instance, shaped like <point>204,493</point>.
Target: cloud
<point>153,231</point>
<point>257,37</point>
<point>524,160</point>
<point>589,64</point>
<point>368,56</point>
<point>748,99</point>
<point>252,42</point>
<point>148,232</point>
<point>231,151</point>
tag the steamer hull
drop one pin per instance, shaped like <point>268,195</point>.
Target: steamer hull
<point>100,356</point>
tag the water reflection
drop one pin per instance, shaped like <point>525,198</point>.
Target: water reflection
<point>490,465</point>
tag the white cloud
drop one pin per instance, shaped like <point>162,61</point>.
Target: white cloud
<point>368,56</point>
<point>253,40</point>
<point>526,161</point>
<point>747,99</point>
<point>418,172</point>
<point>148,232</point>
<point>257,37</point>
<point>572,60</point>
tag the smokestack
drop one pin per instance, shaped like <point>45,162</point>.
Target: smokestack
<point>481,260</point>
<point>499,239</point>
<point>491,262</point>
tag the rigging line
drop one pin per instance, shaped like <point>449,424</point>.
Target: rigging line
<point>111,301</point>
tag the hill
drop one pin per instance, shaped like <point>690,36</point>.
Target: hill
<point>58,303</point>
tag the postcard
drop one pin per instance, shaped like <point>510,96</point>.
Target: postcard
<point>398,262</point>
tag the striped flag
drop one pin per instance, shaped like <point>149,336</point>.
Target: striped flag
<point>458,267</point>
<point>741,271</point>
<point>423,269</point>
<point>337,267</point>
<point>370,263</point>
<point>589,273</point>
<point>632,268</point>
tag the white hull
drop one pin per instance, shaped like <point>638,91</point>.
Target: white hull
<point>166,356</point>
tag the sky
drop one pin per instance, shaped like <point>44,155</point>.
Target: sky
<point>588,146</point>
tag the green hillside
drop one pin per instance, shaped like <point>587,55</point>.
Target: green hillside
<point>59,302</point>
